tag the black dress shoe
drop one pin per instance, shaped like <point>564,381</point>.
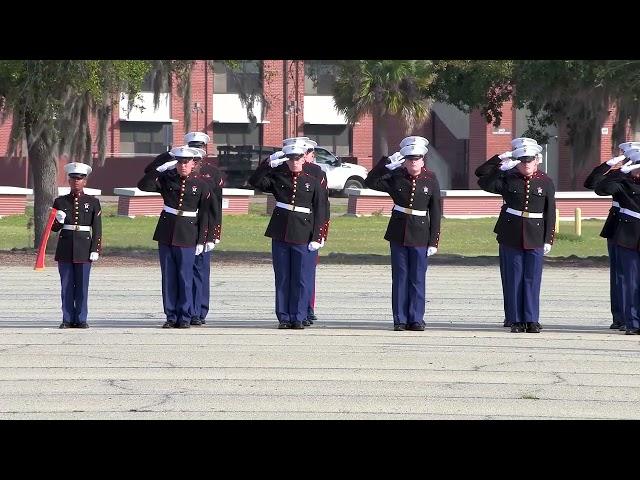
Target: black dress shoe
<point>297,326</point>
<point>169,324</point>
<point>307,323</point>
<point>632,331</point>
<point>533,327</point>
<point>183,325</point>
<point>622,327</point>
<point>64,325</point>
<point>517,327</point>
<point>416,327</point>
<point>311,316</point>
<point>399,327</point>
<point>196,321</point>
<point>506,324</point>
<point>616,326</point>
<point>282,326</point>
<point>202,321</point>
<point>81,325</point>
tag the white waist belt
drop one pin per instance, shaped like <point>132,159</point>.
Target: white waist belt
<point>615,204</point>
<point>631,213</point>
<point>524,214</point>
<point>80,228</point>
<point>410,211</point>
<point>180,213</point>
<point>293,208</point>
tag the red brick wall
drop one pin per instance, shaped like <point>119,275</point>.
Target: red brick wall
<point>202,93</point>
<point>5,130</point>
<point>485,140</point>
<point>272,133</point>
<point>113,140</point>
<point>606,144</point>
<point>362,146</point>
<point>177,113</point>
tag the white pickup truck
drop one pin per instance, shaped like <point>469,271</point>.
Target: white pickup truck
<point>340,175</point>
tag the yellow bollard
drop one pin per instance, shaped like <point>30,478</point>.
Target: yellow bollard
<point>557,221</point>
<point>578,222</point>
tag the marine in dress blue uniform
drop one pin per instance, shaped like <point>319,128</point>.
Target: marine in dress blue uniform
<point>525,229</point>
<point>315,170</point>
<point>210,175</point>
<point>608,230</point>
<point>414,227</point>
<point>295,229</point>
<point>624,184</point>
<point>79,222</point>
<point>181,230</point>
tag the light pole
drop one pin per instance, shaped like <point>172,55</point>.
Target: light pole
<point>197,109</point>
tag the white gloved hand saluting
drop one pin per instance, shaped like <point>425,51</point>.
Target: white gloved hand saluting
<point>505,155</point>
<point>199,249</point>
<point>615,160</point>
<point>396,160</point>
<point>277,155</point>
<point>209,246</point>
<point>509,164</point>
<point>547,248</point>
<point>167,166</point>
<point>313,246</point>
<point>629,167</point>
<point>60,216</point>
<point>277,162</point>
<point>93,256</point>
<point>431,251</point>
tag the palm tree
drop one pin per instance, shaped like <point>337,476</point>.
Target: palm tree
<point>383,88</point>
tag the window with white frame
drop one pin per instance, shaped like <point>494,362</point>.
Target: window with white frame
<point>246,78</point>
<point>145,138</point>
<point>319,77</point>
<point>336,138</point>
<point>237,134</point>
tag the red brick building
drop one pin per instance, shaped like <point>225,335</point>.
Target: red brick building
<point>296,105</point>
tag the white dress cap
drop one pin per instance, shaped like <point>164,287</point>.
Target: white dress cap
<point>413,139</point>
<point>77,167</point>
<point>414,149</point>
<point>196,137</point>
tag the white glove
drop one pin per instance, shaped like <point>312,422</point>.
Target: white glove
<point>615,160</point>
<point>313,246</point>
<point>209,246</point>
<point>431,251</point>
<point>276,155</point>
<point>60,216</point>
<point>547,248</point>
<point>199,249</point>
<point>509,164</point>
<point>167,166</point>
<point>93,256</point>
<point>216,241</point>
<point>629,167</point>
<point>278,162</point>
<point>322,243</point>
<point>505,155</point>
<point>396,160</point>
<point>395,157</point>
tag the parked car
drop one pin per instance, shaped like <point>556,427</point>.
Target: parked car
<point>340,174</point>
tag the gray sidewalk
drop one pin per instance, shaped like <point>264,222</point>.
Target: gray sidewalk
<point>349,365</point>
